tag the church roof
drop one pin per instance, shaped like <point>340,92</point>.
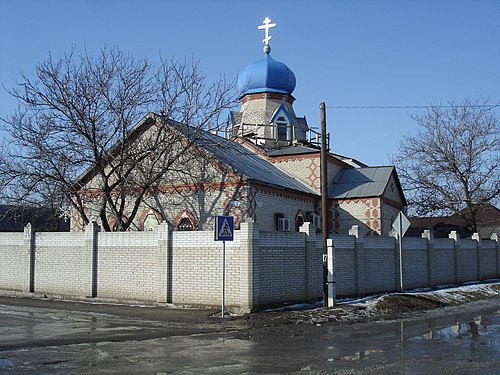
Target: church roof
<point>266,75</point>
<point>293,150</point>
<point>366,182</point>
<point>247,163</point>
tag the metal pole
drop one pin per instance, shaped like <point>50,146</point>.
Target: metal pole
<point>400,252</point>
<point>324,200</point>
<point>223,274</point>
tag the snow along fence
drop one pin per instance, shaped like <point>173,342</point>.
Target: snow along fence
<point>262,268</point>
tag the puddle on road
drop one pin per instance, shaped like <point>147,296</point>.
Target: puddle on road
<point>479,332</point>
<point>479,326</point>
<point>6,363</point>
<point>356,356</point>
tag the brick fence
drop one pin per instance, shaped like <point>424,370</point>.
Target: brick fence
<point>262,268</point>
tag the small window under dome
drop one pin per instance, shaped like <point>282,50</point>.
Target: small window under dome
<point>283,131</point>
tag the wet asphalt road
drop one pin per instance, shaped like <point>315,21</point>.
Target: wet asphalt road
<point>48,337</point>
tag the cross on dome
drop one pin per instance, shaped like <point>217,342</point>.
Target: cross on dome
<point>266,26</point>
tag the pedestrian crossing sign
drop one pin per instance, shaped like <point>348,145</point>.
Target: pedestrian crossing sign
<point>224,228</point>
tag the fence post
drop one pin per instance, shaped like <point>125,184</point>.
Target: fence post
<point>249,240</point>
<point>429,236</point>
<point>358,259</point>
<point>29,250</point>
<point>494,237</point>
<point>91,231</point>
<point>162,273</point>
<point>456,247</point>
<point>309,251</point>
<point>477,238</point>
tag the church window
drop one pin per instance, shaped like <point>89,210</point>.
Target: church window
<point>185,224</point>
<point>283,129</point>
<point>185,221</point>
<point>299,220</point>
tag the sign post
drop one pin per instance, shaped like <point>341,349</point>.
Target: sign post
<point>401,225</point>
<point>224,231</point>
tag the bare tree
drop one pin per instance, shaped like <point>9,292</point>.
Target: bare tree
<point>452,165</point>
<point>80,114</point>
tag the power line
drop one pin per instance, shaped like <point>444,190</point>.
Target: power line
<point>409,106</point>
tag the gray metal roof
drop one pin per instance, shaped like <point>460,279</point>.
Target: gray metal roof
<point>360,182</point>
<point>293,150</point>
<point>248,164</point>
<point>302,122</point>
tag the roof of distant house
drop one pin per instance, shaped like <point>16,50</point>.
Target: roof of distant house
<point>487,220</point>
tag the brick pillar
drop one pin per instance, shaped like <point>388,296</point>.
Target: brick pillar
<point>477,238</point>
<point>309,253</point>
<point>249,242</point>
<point>29,251</point>
<point>456,246</point>
<point>163,272</point>
<point>91,231</point>
<point>429,236</point>
<point>359,252</point>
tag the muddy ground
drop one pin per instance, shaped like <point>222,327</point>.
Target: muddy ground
<point>455,331</point>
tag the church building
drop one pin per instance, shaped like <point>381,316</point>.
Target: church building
<point>267,168</point>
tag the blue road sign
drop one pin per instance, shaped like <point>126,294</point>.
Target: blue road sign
<point>224,228</point>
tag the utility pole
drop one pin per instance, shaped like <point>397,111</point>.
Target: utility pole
<point>324,200</point>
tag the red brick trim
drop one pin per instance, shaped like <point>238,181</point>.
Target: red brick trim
<point>205,187</point>
<point>267,95</point>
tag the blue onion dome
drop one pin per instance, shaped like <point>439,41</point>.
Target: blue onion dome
<point>266,75</point>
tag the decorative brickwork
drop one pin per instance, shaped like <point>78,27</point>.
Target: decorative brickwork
<point>366,213</point>
<point>314,174</point>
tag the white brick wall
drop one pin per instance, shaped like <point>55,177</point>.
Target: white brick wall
<point>282,268</point>
<point>488,259</point>
<point>467,267</point>
<point>379,271</point>
<point>14,261</point>
<point>269,204</point>
<point>62,266</point>
<point>127,265</point>
<point>197,269</point>
<point>415,267</point>
<point>262,267</point>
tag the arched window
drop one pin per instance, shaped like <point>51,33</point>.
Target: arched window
<point>185,221</point>
<point>299,220</point>
<point>185,224</point>
<point>150,223</point>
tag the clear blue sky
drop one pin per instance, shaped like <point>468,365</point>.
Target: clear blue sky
<point>345,53</point>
